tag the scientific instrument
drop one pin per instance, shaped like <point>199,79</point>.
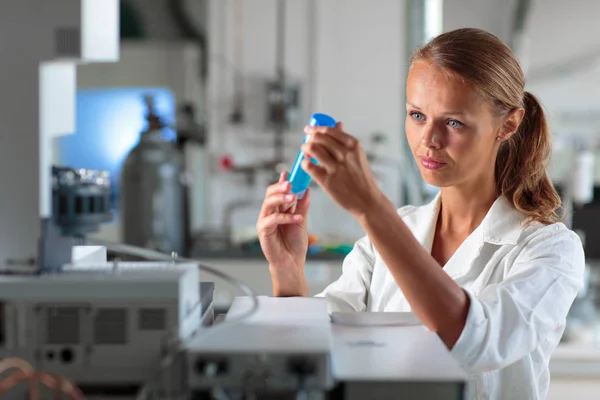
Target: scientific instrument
<point>153,191</point>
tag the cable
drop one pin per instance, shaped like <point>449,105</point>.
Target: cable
<point>135,251</point>
<point>158,256</point>
<point>61,385</point>
<point>25,372</point>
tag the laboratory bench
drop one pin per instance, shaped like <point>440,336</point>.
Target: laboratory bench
<point>575,372</point>
<point>574,367</point>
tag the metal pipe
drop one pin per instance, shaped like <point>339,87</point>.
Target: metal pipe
<point>423,21</point>
<point>311,65</point>
<point>238,116</point>
<point>519,39</point>
<point>280,123</point>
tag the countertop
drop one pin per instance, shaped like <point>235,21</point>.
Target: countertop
<point>576,360</point>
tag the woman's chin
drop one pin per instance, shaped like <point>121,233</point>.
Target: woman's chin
<point>434,179</point>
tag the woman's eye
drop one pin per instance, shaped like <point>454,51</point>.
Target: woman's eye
<point>454,123</point>
<point>417,116</point>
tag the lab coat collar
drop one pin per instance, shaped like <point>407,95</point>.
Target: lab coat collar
<point>501,225</point>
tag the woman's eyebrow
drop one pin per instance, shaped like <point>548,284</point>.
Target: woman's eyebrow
<point>445,112</point>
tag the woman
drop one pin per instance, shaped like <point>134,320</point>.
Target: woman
<point>487,265</point>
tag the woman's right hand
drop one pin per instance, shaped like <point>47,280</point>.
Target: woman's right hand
<point>283,237</point>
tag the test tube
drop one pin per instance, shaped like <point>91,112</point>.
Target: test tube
<point>298,177</point>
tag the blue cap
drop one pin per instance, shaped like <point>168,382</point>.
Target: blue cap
<point>318,119</point>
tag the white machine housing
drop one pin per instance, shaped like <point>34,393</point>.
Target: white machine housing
<point>42,43</point>
<point>99,324</point>
<point>285,346</point>
<point>290,345</point>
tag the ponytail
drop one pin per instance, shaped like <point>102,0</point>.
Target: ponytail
<point>521,173</point>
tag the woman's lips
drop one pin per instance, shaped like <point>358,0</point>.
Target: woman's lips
<point>432,163</point>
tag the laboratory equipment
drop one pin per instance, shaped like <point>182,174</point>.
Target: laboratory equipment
<point>80,203</point>
<point>300,357</point>
<point>169,70</point>
<point>289,347</point>
<point>101,325</point>
<point>298,177</point>
<point>153,191</point>
<point>45,42</point>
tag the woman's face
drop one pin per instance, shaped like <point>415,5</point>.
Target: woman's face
<point>450,128</point>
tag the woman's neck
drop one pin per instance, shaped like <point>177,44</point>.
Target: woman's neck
<point>463,209</point>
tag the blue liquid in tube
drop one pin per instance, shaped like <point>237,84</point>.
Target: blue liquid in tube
<point>298,177</point>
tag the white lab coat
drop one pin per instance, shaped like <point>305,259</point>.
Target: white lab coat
<point>521,282</point>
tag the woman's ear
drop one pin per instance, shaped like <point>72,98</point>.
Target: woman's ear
<point>512,122</point>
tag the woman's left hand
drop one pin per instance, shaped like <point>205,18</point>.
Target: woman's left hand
<point>343,170</point>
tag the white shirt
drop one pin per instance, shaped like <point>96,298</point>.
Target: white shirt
<point>521,282</point>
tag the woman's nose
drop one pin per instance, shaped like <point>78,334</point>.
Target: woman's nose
<point>431,139</point>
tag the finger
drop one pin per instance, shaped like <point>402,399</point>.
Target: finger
<point>320,153</point>
<point>336,133</point>
<point>273,202</point>
<point>274,220</point>
<point>335,148</point>
<point>282,176</point>
<point>303,204</point>
<point>279,187</point>
<point>317,173</point>
<point>280,199</point>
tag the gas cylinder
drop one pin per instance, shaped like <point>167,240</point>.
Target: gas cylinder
<point>153,190</point>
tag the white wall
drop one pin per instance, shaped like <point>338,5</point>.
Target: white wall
<point>348,58</point>
<point>563,63</point>
<point>356,62</point>
<point>491,15</point>
<point>357,67</point>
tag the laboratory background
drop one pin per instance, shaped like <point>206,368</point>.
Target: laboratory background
<point>206,103</point>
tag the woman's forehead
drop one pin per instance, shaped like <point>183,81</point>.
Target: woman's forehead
<point>431,87</point>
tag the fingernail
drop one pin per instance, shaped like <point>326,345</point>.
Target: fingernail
<point>289,197</point>
<point>297,217</point>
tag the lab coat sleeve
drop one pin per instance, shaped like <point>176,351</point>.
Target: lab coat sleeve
<point>349,292</point>
<point>507,321</point>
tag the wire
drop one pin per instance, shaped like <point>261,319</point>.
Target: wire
<point>61,385</point>
<point>158,256</point>
<point>9,363</point>
<point>25,372</point>
<point>135,251</point>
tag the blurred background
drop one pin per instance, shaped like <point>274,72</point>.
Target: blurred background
<point>207,104</point>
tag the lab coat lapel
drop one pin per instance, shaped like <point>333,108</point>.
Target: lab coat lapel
<point>501,226</point>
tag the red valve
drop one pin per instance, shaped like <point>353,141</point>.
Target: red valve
<point>226,162</point>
